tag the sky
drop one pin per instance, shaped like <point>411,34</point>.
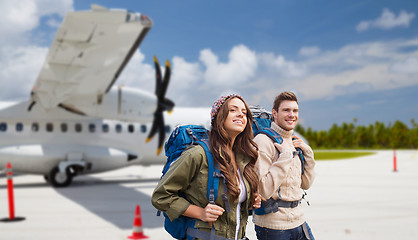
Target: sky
<point>345,60</point>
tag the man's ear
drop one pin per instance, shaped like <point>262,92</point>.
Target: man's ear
<point>274,112</point>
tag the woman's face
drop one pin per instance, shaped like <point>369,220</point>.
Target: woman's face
<point>236,120</point>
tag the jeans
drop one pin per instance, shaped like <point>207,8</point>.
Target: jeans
<point>291,234</point>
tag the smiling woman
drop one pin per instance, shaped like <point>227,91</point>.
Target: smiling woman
<point>180,195</point>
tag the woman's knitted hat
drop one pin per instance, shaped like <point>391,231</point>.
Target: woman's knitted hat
<point>218,104</point>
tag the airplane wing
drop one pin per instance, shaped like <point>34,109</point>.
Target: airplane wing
<point>89,51</point>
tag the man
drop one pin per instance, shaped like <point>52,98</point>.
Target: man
<point>281,179</point>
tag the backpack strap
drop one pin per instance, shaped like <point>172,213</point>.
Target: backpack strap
<point>301,157</point>
<point>213,182</point>
<point>271,205</point>
<point>224,196</point>
<point>213,178</point>
<point>273,135</point>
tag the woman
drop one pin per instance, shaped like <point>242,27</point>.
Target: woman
<point>182,190</point>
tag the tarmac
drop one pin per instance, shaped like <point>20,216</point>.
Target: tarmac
<point>359,198</point>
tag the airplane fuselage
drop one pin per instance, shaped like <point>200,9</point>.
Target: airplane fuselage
<point>36,141</point>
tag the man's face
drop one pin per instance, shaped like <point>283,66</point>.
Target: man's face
<point>287,115</point>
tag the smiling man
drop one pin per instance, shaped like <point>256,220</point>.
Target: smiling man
<point>283,176</point>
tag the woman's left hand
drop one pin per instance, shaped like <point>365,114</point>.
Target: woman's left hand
<point>257,203</point>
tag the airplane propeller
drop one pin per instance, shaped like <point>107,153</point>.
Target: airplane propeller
<point>163,104</point>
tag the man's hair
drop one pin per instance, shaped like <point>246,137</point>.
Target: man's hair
<point>290,96</point>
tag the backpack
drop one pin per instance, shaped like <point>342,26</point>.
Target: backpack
<point>182,138</point>
<point>261,125</point>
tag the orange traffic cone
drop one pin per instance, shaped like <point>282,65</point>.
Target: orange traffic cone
<point>137,229</point>
<point>12,218</point>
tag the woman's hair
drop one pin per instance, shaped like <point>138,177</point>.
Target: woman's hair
<point>219,142</point>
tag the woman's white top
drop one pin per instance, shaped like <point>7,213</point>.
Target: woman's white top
<point>241,198</point>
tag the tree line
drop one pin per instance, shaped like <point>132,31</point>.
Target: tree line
<point>373,136</point>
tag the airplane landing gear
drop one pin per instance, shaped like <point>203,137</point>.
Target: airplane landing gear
<point>60,179</point>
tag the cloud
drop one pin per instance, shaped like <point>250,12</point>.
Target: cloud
<point>138,74</point>
<point>185,73</point>
<point>20,17</point>
<point>309,51</point>
<point>279,66</point>
<point>20,58</point>
<point>19,69</point>
<point>24,15</point>
<point>408,66</point>
<point>356,68</point>
<point>387,20</point>
<point>240,68</point>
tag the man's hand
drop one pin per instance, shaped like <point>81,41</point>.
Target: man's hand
<point>257,203</point>
<point>299,143</point>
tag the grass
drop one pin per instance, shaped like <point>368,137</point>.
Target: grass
<point>333,155</point>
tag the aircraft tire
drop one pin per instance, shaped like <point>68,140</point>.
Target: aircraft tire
<point>46,177</point>
<point>57,179</point>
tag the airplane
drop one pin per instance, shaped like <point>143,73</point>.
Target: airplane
<point>76,121</point>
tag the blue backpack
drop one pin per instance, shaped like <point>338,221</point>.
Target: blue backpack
<point>180,139</point>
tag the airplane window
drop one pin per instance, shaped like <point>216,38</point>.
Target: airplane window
<point>167,129</point>
<point>3,126</point>
<point>143,128</point>
<point>131,128</point>
<point>35,127</point>
<point>105,128</point>
<point>49,127</point>
<point>78,127</point>
<point>19,127</point>
<point>92,127</point>
<point>64,127</point>
<point>118,128</point>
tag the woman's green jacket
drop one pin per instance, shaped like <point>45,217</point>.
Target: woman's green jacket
<point>186,183</point>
